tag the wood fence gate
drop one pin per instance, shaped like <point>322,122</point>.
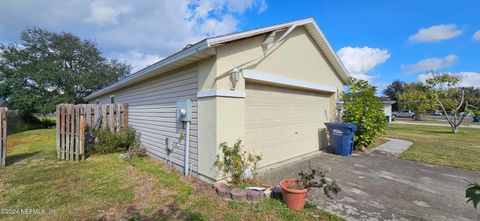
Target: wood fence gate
<point>74,120</point>
<point>3,135</point>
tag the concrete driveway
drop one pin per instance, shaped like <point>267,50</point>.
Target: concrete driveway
<point>378,186</point>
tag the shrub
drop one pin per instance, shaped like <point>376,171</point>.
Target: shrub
<point>109,142</point>
<point>137,151</point>
<point>237,164</point>
<point>363,109</point>
<point>19,121</point>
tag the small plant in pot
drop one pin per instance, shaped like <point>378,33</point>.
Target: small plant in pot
<point>294,191</point>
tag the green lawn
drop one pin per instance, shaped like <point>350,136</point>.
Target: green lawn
<point>433,121</point>
<point>106,187</point>
<point>437,145</point>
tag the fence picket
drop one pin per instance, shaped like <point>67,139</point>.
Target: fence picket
<point>67,131</point>
<point>72,132</point>
<point>112,118</point>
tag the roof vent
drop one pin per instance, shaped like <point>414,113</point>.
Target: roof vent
<point>187,46</point>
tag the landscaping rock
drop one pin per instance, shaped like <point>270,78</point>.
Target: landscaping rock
<point>223,192</point>
<point>239,194</point>
<point>254,195</point>
<point>268,192</point>
<point>219,185</point>
<point>276,192</point>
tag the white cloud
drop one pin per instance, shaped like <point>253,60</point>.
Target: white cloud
<point>436,33</point>
<point>360,61</point>
<point>150,28</point>
<point>103,14</point>
<point>476,36</point>
<point>430,64</point>
<point>136,59</point>
<point>468,79</point>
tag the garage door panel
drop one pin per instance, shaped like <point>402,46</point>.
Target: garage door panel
<point>283,123</point>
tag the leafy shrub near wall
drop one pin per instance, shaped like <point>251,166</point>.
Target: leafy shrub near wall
<point>363,109</point>
<point>237,164</point>
<point>110,142</point>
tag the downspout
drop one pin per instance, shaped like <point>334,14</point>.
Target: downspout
<point>187,148</point>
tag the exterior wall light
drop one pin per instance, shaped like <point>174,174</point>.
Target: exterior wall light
<point>234,77</point>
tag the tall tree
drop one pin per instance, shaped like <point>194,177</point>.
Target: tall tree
<point>48,68</point>
<point>472,96</point>
<point>416,97</point>
<point>392,92</point>
<point>449,97</point>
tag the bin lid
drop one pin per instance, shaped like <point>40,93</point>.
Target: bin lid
<point>350,126</point>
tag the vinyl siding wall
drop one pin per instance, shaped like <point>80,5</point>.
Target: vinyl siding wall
<point>152,112</point>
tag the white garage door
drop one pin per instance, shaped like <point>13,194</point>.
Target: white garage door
<point>284,123</point>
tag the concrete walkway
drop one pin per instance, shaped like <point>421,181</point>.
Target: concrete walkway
<point>394,146</point>
<point>433,124</point>
<point>379,186</point>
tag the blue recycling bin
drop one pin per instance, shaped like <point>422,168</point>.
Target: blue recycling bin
<point>341,137</point>
<point>476,119</point>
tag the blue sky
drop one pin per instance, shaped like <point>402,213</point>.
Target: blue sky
<point>377,40</point>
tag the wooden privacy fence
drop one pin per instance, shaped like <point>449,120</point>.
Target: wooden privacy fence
<point>3,135</point>
<point>74,120</point>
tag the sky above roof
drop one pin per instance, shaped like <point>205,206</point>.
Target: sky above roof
<point>376,40</point>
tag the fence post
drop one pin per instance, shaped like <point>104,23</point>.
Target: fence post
<point>57,128</point>
<point>62,132</point>
<point>3,136</point>
<point>82,137</point>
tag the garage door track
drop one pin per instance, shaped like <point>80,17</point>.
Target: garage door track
<point>379,186</point>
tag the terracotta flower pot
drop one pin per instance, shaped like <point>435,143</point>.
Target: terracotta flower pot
<point>295,199</point>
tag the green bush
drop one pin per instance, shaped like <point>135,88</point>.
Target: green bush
<point>236,164</point>
<point>19,121</point>
<point>363,109</point>
<point>476,113</point>
<point>108,141</point>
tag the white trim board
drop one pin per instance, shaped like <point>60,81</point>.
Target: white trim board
<point>221,93</point>
<point>270,78</point>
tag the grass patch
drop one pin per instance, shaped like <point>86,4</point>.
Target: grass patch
<point>438,145</point>
<point>434,121</point>
<point>106,187</point>
<point>31,145</point>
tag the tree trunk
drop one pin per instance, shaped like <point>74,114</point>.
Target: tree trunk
<point>454,129</point>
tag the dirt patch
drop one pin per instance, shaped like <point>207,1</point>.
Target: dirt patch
<point>147,192</point>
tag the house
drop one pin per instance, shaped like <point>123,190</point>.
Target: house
<point>272,87</point>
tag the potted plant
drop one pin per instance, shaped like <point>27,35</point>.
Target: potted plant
<point>294,191</point>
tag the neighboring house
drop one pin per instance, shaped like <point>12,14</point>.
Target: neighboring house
<point>387,107</point>
<point>272,87</point>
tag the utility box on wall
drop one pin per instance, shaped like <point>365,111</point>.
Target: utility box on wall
<point>184,110</point>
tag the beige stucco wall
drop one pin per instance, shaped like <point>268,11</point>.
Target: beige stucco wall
<point>223,118</point>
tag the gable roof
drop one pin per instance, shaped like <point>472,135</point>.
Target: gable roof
<point>205,48</point>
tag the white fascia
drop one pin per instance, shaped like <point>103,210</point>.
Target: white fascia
<point>279,80</point>
<point>221,93</point>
